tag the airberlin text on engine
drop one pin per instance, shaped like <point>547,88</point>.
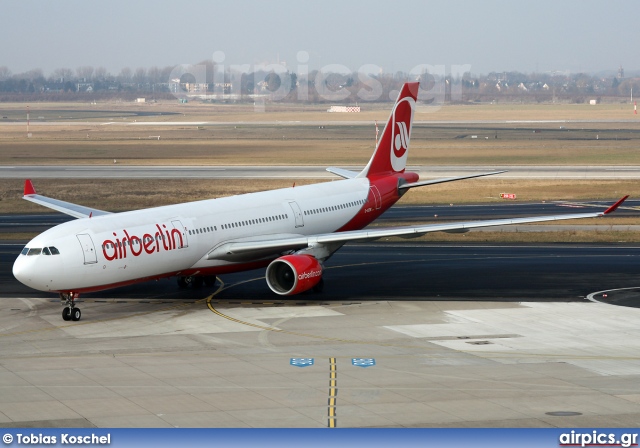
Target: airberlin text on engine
<point>161,239</point>
<point>310,274</point>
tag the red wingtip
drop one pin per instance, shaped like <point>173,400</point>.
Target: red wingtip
<point>615,206</point>
<point>28,188</point>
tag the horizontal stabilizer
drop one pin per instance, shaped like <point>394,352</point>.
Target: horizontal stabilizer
<point>446,179</point>
<point>342,172</point>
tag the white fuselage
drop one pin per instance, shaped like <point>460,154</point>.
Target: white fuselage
<point>120,248</point>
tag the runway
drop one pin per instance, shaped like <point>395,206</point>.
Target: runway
<point>118,171</point>
<point>404,335</point>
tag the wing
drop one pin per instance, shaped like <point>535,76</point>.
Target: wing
<point>77,211</point>
<point>260,247</point>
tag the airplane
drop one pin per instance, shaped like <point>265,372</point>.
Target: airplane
<point>290,231</point>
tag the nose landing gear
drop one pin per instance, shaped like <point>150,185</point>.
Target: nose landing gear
<point>70,312</point>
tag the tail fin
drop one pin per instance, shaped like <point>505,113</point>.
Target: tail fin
<point>391,153</point>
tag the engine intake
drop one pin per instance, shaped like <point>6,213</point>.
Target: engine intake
<point>293,274</point>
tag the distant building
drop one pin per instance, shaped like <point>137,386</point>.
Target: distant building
<point>84,87</point>
<point>621,73</point>
<point>344,109</point>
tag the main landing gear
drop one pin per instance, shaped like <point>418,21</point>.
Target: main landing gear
<point>320,286</point>
<point>197,281</point>
<point>70,312</point>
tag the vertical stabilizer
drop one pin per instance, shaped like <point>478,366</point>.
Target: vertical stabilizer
<point>391,153</point>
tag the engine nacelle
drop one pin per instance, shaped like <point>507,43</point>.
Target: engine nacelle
<point>293,274</point>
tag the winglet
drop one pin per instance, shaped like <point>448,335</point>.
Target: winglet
<point>615,206</point>
<point>28,188</point>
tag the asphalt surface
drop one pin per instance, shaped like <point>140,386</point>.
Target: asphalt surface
<point>416,272</point>
<point>413,271</point>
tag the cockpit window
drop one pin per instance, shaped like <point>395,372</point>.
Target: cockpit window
<point>34,251</point>
<point>46,251</point>
<point>54,251</point>
<point>24,251</point>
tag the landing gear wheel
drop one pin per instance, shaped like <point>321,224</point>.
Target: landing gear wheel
<point>198,281</point>
<point>210,280</point>
<point>76,314</point>
<point>319,287</point>
<point>184,282</point>
<point>70,312</point>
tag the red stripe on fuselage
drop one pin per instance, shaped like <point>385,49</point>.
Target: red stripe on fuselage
<point>218,270</point>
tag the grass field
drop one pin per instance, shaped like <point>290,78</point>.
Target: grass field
<point>270,138</point>
<point>277,111</point>
<point>130,194</point>
<point>307,145</point>
<point>292,135</point>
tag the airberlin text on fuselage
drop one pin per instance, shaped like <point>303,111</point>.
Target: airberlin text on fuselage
<point>167,239</point>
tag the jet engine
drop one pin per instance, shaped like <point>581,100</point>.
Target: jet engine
<point>293,274</point>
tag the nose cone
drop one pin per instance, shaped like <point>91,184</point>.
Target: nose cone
<point>20,270</point>
<point>32,272</point>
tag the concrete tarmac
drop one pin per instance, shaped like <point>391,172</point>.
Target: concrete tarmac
<point>404,335</point>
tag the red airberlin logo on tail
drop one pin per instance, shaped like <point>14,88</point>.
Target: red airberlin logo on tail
<point>163,239</point>
<point>401,140</point>
<point>401,127</point>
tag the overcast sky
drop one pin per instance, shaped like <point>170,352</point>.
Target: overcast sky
<point>542,35</point>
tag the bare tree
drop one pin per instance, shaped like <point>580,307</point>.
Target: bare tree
<point>101,73</point>
<point>154,74</point>
<point>140,76</point>
<point>85,72</point>
<point>5,73</point>
<point>125,75</point>
<point>62,74</point>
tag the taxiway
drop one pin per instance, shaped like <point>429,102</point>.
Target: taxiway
<point>404,335</point>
